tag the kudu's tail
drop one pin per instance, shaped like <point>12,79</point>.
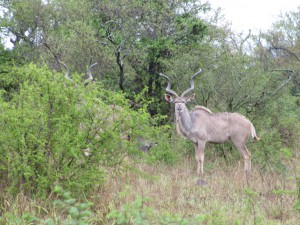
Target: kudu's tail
<point>253,133</point>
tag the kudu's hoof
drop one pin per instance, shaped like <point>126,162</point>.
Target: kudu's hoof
<point>201,182</point>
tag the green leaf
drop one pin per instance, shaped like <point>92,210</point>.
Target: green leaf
<point>74,212</point>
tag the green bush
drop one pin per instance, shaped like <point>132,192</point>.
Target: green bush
<point>49,123</point>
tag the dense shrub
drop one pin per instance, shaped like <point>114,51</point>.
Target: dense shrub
<point>50,123</point>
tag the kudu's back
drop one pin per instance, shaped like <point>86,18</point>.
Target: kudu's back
<point>221,127</point>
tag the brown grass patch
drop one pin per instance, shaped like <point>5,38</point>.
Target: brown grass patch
<point>270,198</point>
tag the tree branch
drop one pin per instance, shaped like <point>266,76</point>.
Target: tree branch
<point>286,50</point>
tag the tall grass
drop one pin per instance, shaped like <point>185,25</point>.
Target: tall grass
<point>170,195</point>
<point>225,199</point>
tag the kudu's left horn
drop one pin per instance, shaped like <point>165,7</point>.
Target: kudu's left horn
<point>192,83</point>
<point>168,89</point>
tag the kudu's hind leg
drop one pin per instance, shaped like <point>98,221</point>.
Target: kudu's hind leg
<point>199,156</point>
<point>247,160</point>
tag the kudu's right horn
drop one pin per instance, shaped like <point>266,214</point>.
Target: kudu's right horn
<point>67,75</point>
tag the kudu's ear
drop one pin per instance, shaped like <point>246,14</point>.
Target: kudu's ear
<point>190,98</point>
<point>169,98</point>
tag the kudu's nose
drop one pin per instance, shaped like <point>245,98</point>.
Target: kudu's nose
<point>179,109</point>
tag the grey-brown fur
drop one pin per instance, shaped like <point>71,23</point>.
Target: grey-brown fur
<point>201,126</point>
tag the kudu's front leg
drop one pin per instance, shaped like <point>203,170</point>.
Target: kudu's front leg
<point>199,156</point>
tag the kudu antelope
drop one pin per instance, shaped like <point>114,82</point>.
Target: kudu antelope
<point>103,118</point>
<point>86,151</point>
<point>201,126</point>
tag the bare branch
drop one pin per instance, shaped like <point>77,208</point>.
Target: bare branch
<point>285,70</point>
<point>245,39</point>
<point>283,84</point>
<point>286,50</point>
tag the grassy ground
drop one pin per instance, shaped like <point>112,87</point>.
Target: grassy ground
<point>224,199</point>
<point>173,197</point>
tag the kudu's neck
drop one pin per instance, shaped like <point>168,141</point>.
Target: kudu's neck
<point>183,118</point>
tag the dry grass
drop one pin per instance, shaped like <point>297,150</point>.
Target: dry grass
<point>225,199</point>
<point>270,198</point>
